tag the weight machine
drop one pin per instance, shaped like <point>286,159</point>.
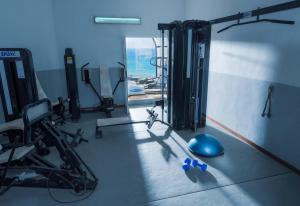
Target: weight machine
<point>106,100</point>
<point>188,65</point>
<point>189,45</point>
<point>119,121</point>
<point>19,87</point>
<point>24,158</point>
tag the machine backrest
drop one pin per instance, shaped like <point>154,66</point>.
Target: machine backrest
<point>105,82</point>
<point>33,114</point>
<point>36,112</point>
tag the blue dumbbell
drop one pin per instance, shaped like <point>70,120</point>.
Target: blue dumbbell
<point>188,163</point>
<point>203,167</point>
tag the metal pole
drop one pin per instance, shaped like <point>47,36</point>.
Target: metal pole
<point>156,48</point>
<point>170,78</point>
<point>163,74</point>
<point>197,65</point>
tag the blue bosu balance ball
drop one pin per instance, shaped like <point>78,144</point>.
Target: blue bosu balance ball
<point>206,145</point>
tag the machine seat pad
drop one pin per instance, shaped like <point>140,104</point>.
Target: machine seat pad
<point>113,121</point>
<point>17,124</point>
<point>55,103</point>
<point>107,96</point>
<point>105,82</point>
<point>19,153</point>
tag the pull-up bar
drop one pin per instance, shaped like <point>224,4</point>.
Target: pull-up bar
<point>254,13</point>
<point>258,12</point>
<point>258,20</point>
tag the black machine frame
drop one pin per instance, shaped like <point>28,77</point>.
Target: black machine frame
<point>15,94</point>
<point>187,72</point>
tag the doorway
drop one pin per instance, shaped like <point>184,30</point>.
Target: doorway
<point>143,59</point>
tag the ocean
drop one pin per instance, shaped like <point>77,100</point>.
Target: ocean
<point>138,63</point>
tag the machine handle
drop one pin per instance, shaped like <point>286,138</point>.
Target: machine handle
<point>85,65</point>
<point>123,65</point>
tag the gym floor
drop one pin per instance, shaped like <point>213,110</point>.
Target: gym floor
<point>140,167</point>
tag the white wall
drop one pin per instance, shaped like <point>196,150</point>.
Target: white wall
<point>260,51</point>
<point>104,44</point>
<point>29,24</point>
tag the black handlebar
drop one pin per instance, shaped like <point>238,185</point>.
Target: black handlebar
<point>85,65</point>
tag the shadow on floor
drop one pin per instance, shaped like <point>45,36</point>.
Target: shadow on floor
<point>242,165</point>
<point>196,175</point>
<point>166,150</point>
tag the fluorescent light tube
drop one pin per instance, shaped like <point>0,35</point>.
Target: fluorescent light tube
<point>117,20</point>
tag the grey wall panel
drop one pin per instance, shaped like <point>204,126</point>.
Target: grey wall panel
<point>54,84</point>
